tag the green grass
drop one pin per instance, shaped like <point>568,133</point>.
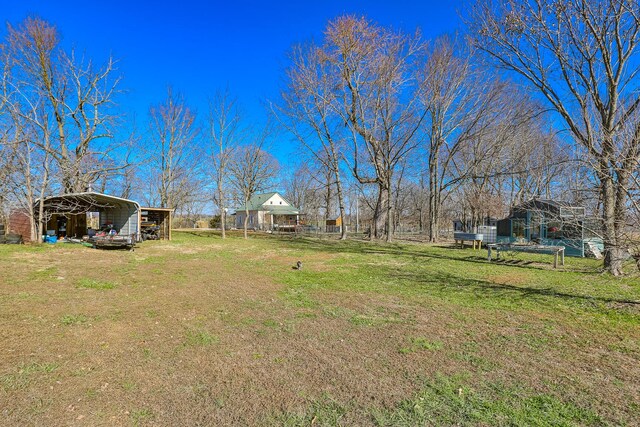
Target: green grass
<point>45,273</point>
<point>129,385</point>
<point>464,278</point>
<point>323,412</point>
<point>199,338</point>
<point>151,314</point>
<point>450,401</point>
<point>421,343</point>
<point>95,284</point>
<point>366,334</point>
<point>74,319</point>
<point>140,416</point>
<point>25,375</point>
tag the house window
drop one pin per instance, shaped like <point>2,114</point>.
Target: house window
<point>554,230</point>
<point>280,202</point>
<point>271,202</point>
<point>518,228</point>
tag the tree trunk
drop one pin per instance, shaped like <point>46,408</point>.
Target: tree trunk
<point>433,223</point>
<point>223,214</point>
<point>389,231</point>
<point>246,220</point>
<point>343,227</point>
<point>613,258</point>
<point>33,227</point>
<point>41,219</point>
<point>434,212</point>
<point>223,222</point>
<point>378,223</point>
<point>327,204</point>
<point>433,198</point>
<point>474,216</point>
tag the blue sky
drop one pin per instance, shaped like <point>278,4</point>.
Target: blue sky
<point>199,46</point>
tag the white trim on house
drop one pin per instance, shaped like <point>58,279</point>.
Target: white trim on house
<point>271,214</point>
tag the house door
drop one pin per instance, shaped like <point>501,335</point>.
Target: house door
<point>535,226</point>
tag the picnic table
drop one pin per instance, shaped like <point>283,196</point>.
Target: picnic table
<point>558,251</point>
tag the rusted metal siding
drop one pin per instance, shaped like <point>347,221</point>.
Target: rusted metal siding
<point>20,224</point>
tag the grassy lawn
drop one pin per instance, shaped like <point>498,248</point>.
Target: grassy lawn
<point>201,331</point>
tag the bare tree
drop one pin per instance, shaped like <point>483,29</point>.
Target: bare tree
<point>251,170</point>
<point>77,98</point>
<point>307,111</point>
<point>378,99</point>
<point>536,162</point>
<point>173,168</point>
<point>464,107</point>
<point>26,143</point>
<point>298,187</point>
<point>306,189</point>
<point>402,193</point>
<point>419,200</point>
<point>224,133</point>
<point>512,160</point>
<point>582,57</point>
<point>28,177</point>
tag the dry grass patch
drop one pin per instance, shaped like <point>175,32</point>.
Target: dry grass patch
<point>202,331</point>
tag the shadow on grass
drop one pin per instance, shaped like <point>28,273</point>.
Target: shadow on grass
<point>218,234</point>
<point>486,289</point>
<point>367,247</point>
<point>449,283</point>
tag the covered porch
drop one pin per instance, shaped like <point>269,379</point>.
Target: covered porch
<point>282,218</point>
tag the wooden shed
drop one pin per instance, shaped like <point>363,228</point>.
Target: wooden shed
<point>334,225</point>
<point>155,223</point>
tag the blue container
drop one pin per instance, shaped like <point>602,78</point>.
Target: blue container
<point>51,239</point>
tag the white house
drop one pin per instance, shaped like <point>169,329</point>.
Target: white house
<point>269,211</point>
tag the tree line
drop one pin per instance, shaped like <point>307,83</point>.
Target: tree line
<point>62,132</point>
<point>532,98</point>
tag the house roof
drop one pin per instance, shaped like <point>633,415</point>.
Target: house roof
<point>558,207</point>
<point>257,203</point>
<point>549,202</point>
<point>281,210</point>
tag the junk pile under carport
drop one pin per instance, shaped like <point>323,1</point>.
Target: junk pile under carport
<point>95,219</point>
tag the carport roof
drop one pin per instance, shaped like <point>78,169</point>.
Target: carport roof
<point>76,203</point>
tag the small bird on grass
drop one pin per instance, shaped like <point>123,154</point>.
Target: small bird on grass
<point>298,266</point>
